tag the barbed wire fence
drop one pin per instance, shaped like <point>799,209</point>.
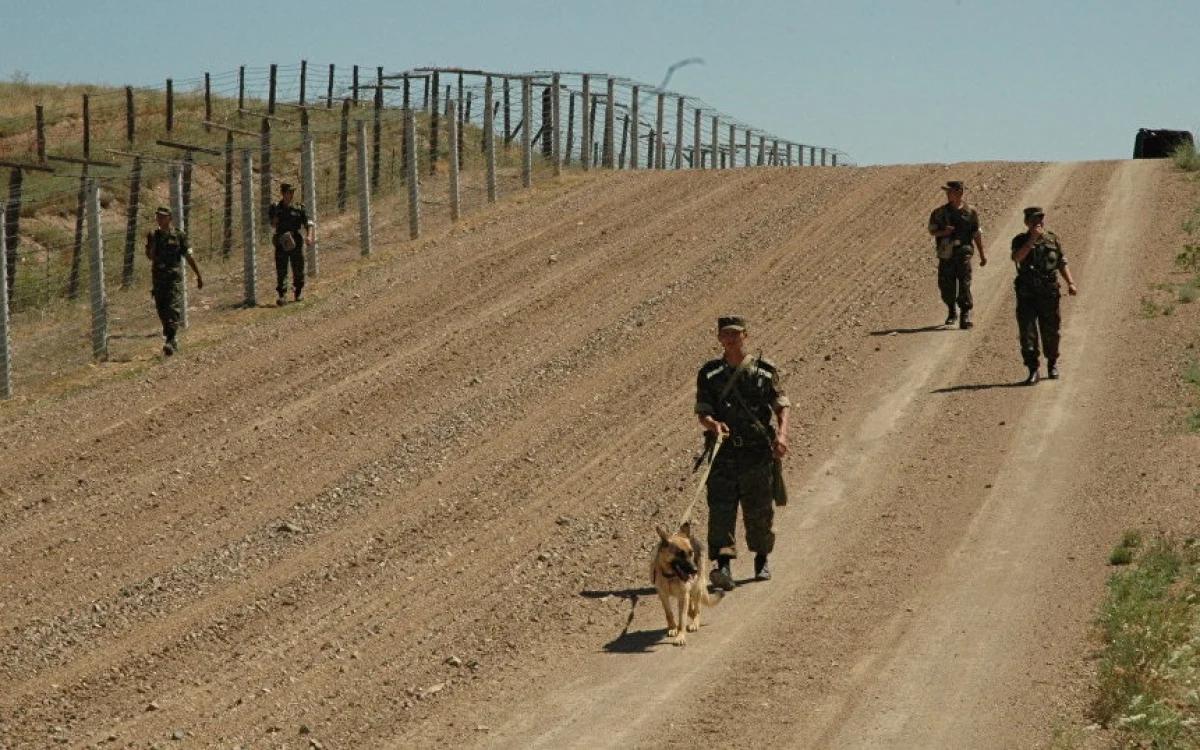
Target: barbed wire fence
<point>435,144</point>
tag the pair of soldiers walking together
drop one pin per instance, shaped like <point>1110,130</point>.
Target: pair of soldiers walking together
<point>1039,259</point>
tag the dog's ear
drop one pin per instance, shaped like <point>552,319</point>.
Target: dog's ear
<point>685,529</point>
<point>662,533</point>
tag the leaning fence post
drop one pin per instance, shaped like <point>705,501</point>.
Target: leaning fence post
<point>633,125</point>
<point>227,234</point>
<point>452,137</point>
<point>309,177</point>
<point>585,129</point>
<point>264,169</point>
<point>489,139</point>
<point>99,302</point>
<point>556,124</point>
<point>135,192</point>
<point>181,225</point>
<point>6,390</point>
<point>364,192</point>
<point>526,135</point>
<point>250,267</point>
<point>414,188</point>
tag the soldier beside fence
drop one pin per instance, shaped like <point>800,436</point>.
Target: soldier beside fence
<point>167,248</point>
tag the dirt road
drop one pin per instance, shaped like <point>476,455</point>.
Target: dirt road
<point>418,511</point>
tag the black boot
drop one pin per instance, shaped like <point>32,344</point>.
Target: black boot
<point>1033,376</point>
<point>964,320</point>
<point>951,316</point>
<point>761,570</point>
<point>1052,370</point>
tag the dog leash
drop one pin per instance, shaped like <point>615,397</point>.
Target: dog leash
<point>687,514</point>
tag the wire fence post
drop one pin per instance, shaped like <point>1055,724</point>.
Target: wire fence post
<point>679,133</point>
<point>227,229</point>
<point>822,155</point>
<point>526,134</point>
<point>303,81</point>
<point>633,124</point>
<point>207,102</point>
<point>309,177</point>
<point>99,302</point>
<point>250,269</point>
<point>264,169</point>
<point>77,248</point>
<point>271,89</point>
<point>131,221</point>
<point>11,229</point>
<point>732,146</point>
<point>343,156</point>
<point>130,118</point>
<point>570,145</point>
<point>507,111</point>
<point>489,139</point>
<point>556,124</point>
<point>585,128</point>
<point>188,161</point>
<point>788,155</point>
<point>433,124</point>
<point>414,188</point>
<point>40,129</point>
<point>364,192</point>
<point>608,158</point>
<point>716,142</point>
<point>377,133</point>
<point>835,160</point>
<point>697,146</point>
<point>660,160</point>
<point>762,150</point>
<point>6,390</point>
<point>241,89</point>
<point>181,225</point>
<point>170,105</point>
<point>747,140</point>
<point>452,137</point>
<point>624,141</point>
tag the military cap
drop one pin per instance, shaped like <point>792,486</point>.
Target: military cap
<point>287,187</point>
<point>1033,211</point>
<point>162,211</point>
<point>954,185</point>
<point>734,322</point>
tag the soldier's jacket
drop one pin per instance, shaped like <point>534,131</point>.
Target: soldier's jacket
<point>169,248</point>
<point>965,221</point>
<point>1038,272</point>
<point>760,388</point>
<point>290,218</point>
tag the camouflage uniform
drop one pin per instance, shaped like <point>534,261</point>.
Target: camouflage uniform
<point>169,248</point>
<point>290,219</point>
<point>744,468</point>
<point>954,271</point>
<point>1038,294</point>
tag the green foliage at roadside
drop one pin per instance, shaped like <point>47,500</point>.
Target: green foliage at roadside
<point>1148,689</point>
<point>1186,157</point>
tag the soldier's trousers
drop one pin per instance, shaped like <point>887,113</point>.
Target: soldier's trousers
<point>745,477</point>
<point>954,280</point>
<point>283,259</point>
<point>168,301</point>
<point>1037,315</point>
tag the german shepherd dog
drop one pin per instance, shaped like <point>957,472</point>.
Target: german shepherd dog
<point>678,571</point>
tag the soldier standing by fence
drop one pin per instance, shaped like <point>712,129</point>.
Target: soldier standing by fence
<point>167,248</point>
<point>289,220</point>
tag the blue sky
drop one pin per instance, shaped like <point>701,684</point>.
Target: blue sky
<point>912,81</point>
